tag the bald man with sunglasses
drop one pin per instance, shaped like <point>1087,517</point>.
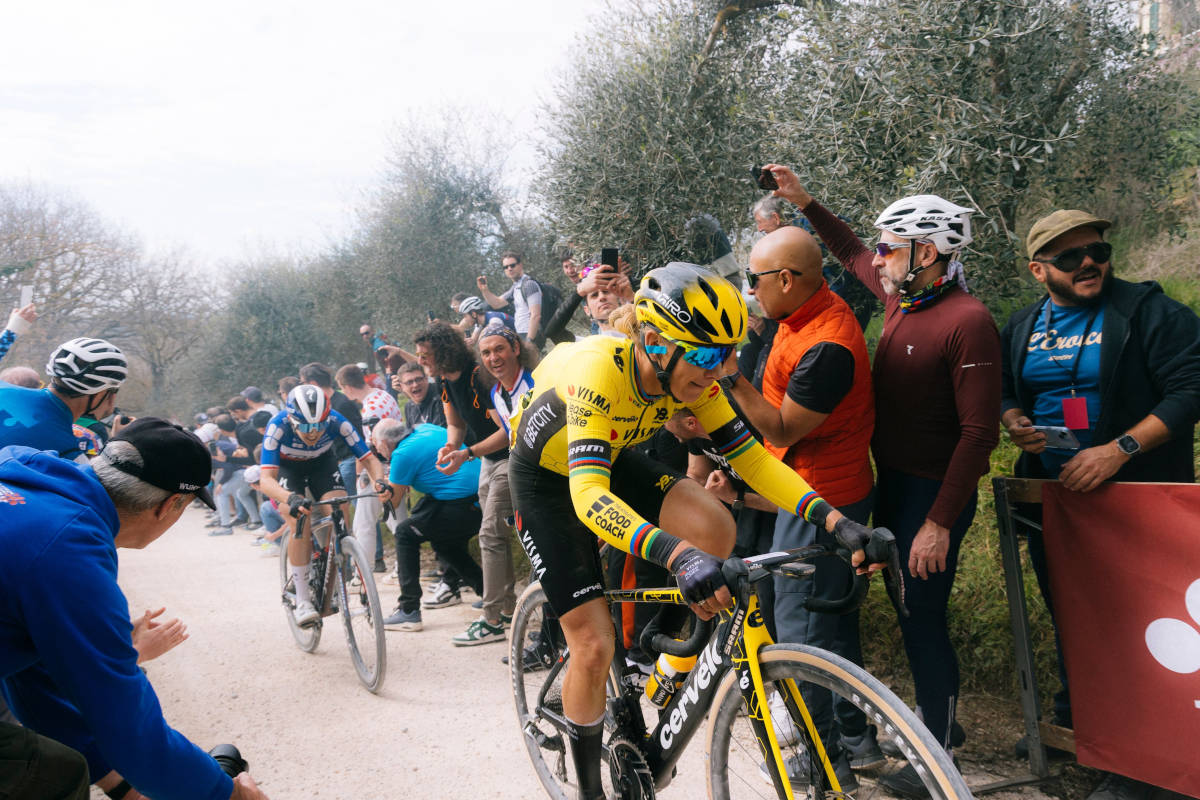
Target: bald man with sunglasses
<point>816,414</point>
<point>1116,363</point>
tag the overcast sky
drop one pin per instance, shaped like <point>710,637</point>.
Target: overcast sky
<point>234,127</point>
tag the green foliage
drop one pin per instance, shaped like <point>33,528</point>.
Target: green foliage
<point>648,132</point>
<point>1008,106</point>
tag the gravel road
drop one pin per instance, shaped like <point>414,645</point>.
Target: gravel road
<point>443,726</point>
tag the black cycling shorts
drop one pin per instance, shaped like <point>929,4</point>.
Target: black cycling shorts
<point>320,476</point>
<point>563,552</point>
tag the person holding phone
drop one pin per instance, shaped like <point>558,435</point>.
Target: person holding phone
<point>20,322</point>
<point>1116,363</point>
<point>937,398</point>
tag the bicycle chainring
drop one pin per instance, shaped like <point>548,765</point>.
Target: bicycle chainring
<point>631,778</point>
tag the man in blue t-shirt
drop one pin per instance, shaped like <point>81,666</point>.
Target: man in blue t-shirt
<point>1116,363</point>
<point>67,663</point>
<point>447,516</point>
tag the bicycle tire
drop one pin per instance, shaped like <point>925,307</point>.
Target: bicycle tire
<point>308,638</point>
<point>552,757</point>
<point>362,616</point>
<point>733,754</point>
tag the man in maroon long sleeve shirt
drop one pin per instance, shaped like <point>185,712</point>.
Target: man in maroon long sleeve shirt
<point>937,394</point>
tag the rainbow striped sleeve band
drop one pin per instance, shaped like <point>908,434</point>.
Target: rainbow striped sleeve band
<point>812,508</point>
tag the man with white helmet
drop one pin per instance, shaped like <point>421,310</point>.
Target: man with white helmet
<point>937,396</point>
<point>85,375</point>
<point>297,457</point>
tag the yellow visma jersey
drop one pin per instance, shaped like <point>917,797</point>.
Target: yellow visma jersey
<point>588,405</point>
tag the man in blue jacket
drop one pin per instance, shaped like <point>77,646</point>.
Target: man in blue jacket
<point>67,663</point>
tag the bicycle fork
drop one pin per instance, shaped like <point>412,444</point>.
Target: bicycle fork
<point>748,668</point>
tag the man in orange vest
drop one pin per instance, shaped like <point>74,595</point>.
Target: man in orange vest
<point>816,414</point>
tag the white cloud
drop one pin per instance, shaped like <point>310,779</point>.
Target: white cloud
<point>230,123</point>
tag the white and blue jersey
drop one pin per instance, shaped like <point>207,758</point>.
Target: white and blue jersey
<point>282,444</point>
<point>505,402</point>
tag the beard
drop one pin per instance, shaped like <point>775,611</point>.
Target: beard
<point>1064,287</point>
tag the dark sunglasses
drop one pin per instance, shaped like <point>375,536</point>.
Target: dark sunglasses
<point>1071,260</point>
<point>752,278</point>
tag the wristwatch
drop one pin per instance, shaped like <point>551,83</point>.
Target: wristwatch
<point>740,502</point>
<point>1128,445</point>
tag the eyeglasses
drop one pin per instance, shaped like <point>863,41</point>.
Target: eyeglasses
<point>1071,260</point>
<point>885,249</point>
<point>510,266</point>
<point>752,278</point>
<point>308,427</point>
<point>703,356</point>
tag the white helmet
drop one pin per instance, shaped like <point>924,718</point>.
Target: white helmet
<point>929,218</point>
<point>470,304</point>
<point>88,366</point>
<point>306,404</point>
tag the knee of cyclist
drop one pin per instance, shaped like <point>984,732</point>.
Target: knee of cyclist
<point>593,655</point>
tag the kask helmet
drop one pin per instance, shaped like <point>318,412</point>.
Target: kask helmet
<point>929,218</point>
<point>306,404</point>
<point>470,304</point>
<point>88,366</point>
<point>688,303</point>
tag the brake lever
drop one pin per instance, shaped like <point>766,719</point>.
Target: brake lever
<point>881,548</point>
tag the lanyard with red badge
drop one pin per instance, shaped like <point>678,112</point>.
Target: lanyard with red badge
<point>1075,412</point>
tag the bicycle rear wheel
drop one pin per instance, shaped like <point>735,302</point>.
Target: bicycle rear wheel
<point>307,638</point>
<point>535,645</point>
<point>735,758</point>
<point>361,616</point>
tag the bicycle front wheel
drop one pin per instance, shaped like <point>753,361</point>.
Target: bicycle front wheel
<point>307,638</point>
<point>361,614</point>
<point>735,758</point>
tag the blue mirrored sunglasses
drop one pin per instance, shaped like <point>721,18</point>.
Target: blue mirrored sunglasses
<point>308,427</point>
<point>704,356</point>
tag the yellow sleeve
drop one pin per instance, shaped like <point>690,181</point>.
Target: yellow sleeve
<point>766,474</point>
<point>589,471</point>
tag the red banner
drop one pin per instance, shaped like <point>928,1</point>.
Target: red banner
<point>1125,574</point>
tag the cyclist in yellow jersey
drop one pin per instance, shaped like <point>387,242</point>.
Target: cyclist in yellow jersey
<point>573,475</point>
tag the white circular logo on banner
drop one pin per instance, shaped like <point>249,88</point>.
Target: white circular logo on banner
<point>1175,643</point>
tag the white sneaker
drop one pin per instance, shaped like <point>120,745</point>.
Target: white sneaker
<point>785,728</point>
<point>305,614</point>
<point>441,596</point>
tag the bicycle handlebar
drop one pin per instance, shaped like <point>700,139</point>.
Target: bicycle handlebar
<point>880,549</point>
<point>654,640</point>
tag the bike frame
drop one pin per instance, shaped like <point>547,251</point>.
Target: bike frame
<point>332,547</point>
<point>734,646</point>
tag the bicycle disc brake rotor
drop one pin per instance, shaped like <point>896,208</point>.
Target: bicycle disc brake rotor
<point>631,778</point>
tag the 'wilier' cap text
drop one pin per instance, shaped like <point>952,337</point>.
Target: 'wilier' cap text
<point>172,458</point>
<point>1050,227</point>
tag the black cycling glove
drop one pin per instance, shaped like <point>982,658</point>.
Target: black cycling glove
<point>698,574</point>
<point>297,502</point>
<point>879,543</point>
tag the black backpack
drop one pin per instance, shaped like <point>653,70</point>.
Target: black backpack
<point>551,299</point>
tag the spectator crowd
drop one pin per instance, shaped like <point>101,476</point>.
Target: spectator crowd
<point>899,439</point>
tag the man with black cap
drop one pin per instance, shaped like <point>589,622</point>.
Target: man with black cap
<point>68,666</point>
<point>1116,363</point>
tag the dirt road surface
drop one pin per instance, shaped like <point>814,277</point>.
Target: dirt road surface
<point>442,727</point>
